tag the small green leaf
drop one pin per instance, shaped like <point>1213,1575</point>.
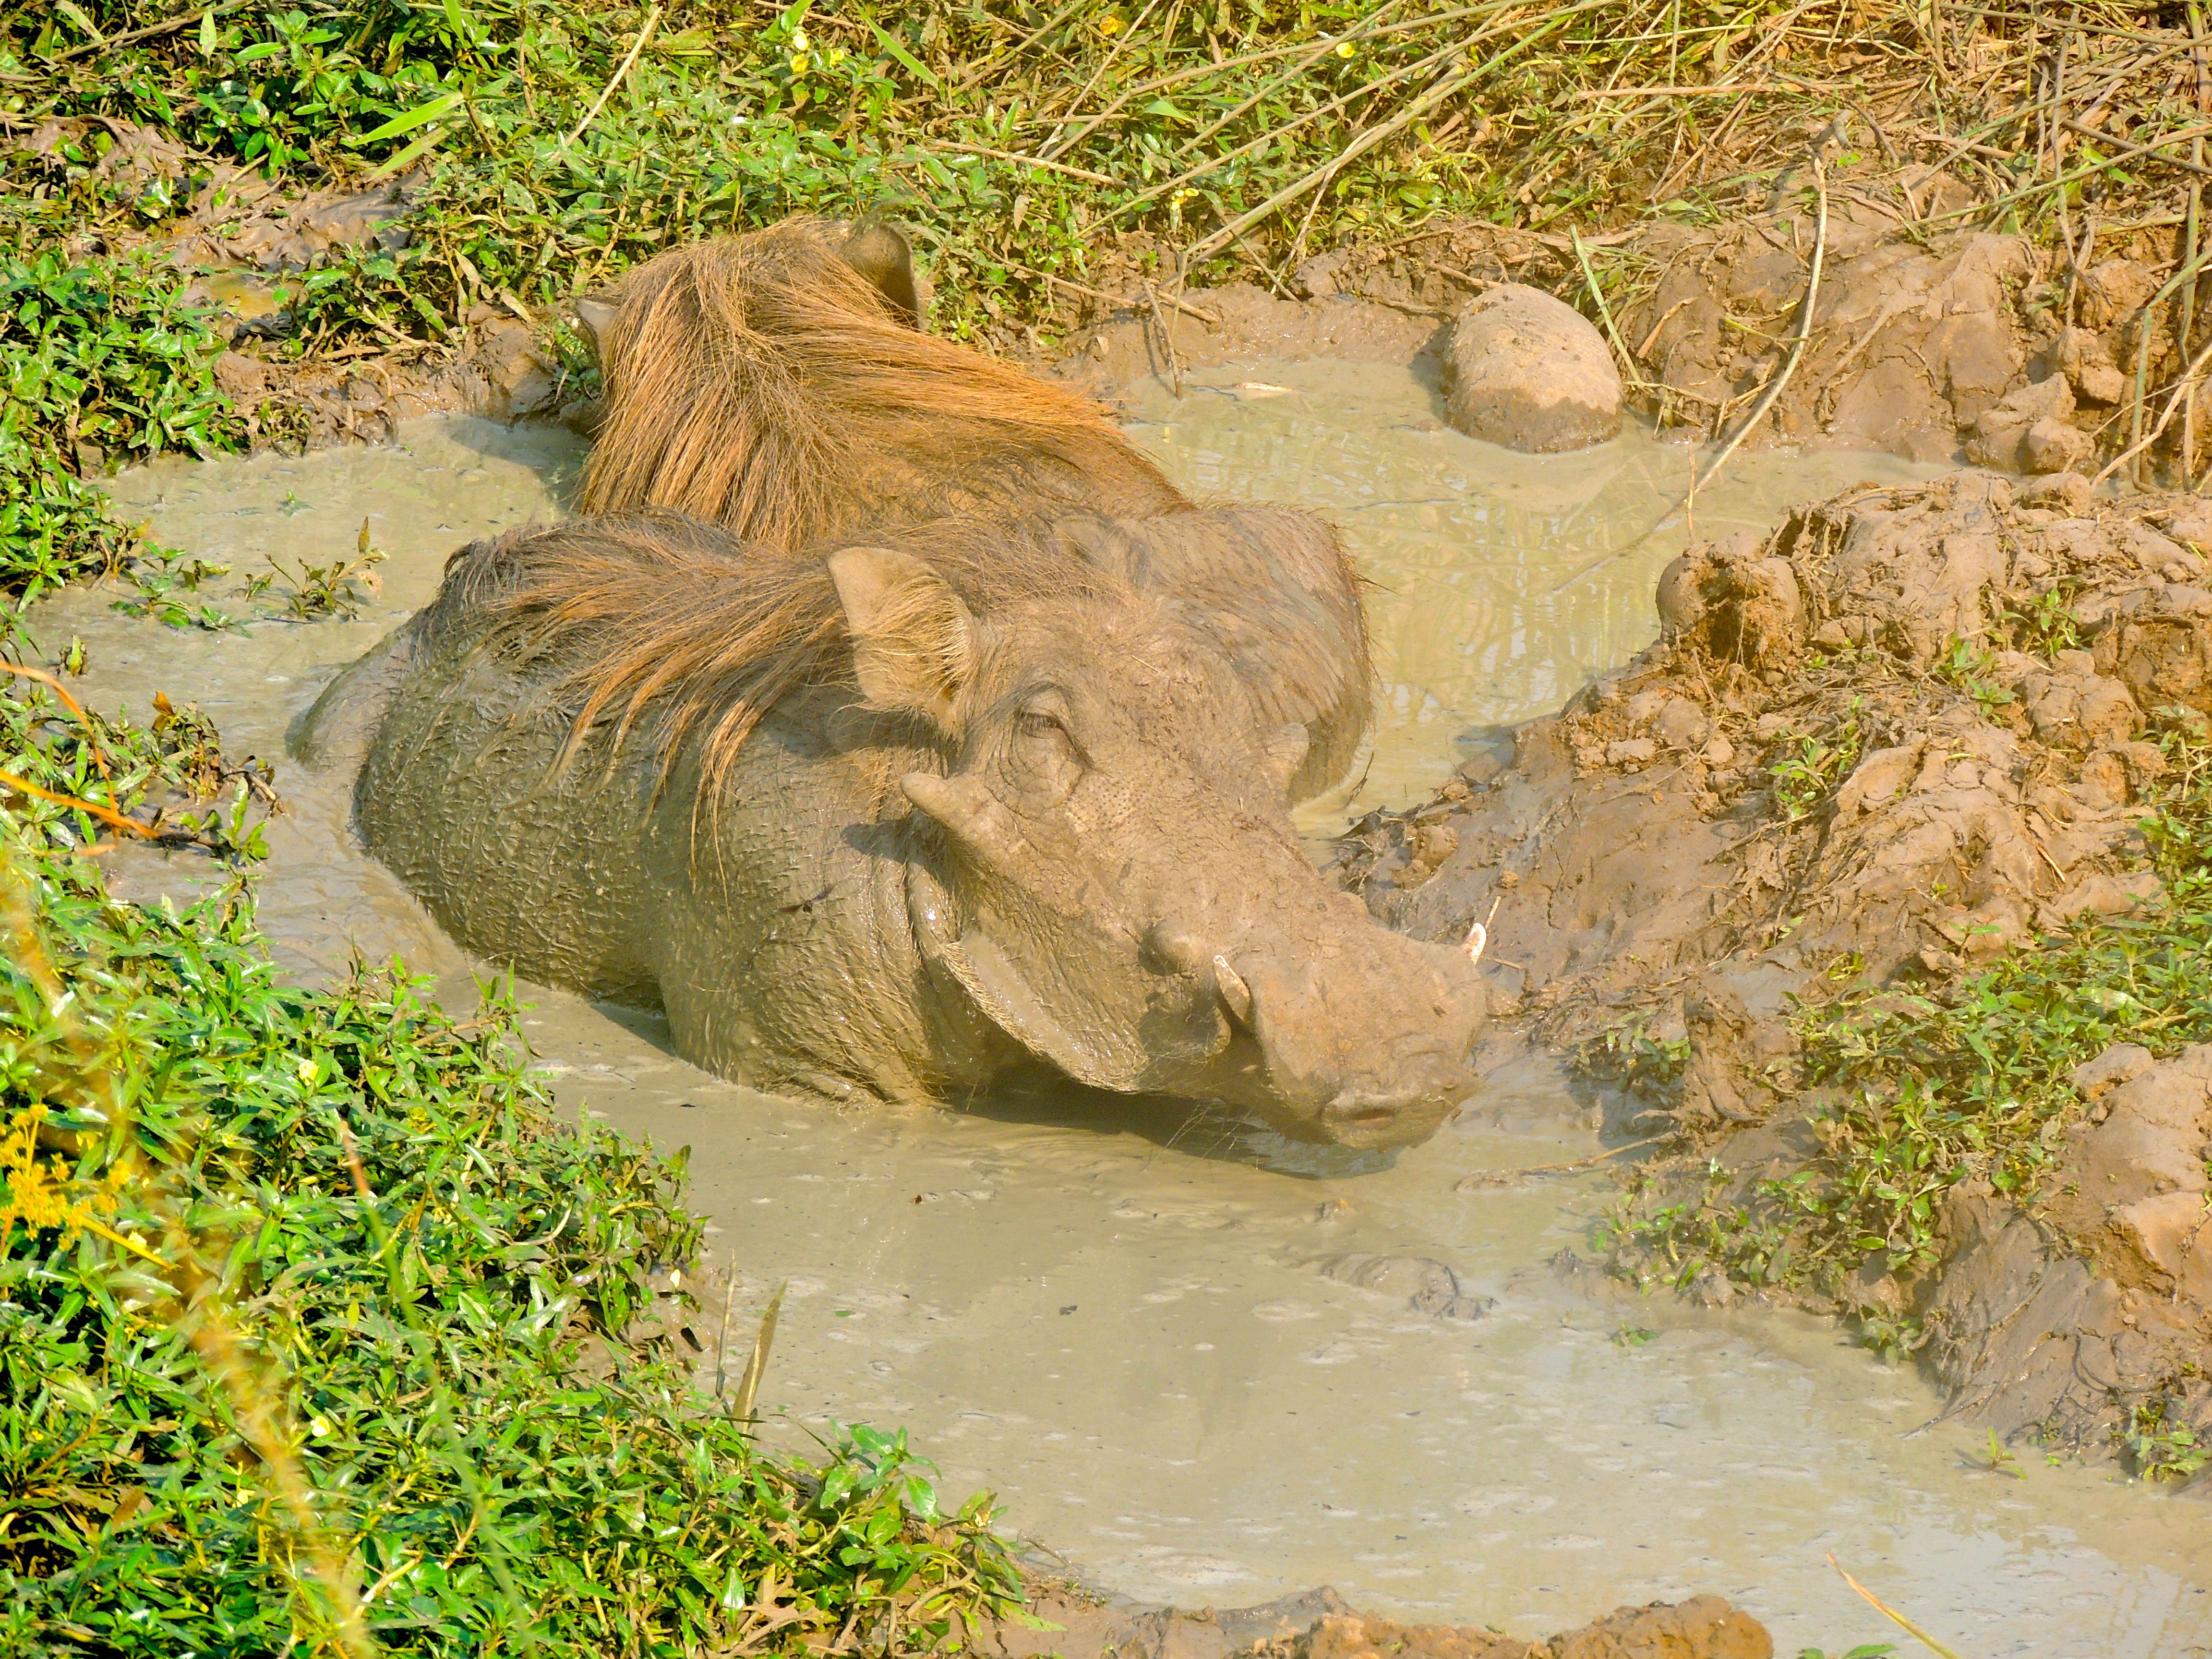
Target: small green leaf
<point>421,115</point>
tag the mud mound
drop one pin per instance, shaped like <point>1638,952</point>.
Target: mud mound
<point>1319,1625</point>
<point>1909,732</point>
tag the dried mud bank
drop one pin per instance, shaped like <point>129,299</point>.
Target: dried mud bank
<point>1319,1625</point>
<point>1910,733</point>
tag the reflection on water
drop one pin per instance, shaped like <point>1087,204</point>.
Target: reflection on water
<point>1115,1317</point>
<point>1504,583</point>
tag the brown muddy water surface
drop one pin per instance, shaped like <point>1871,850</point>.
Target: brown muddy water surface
<point>1125,1325</point>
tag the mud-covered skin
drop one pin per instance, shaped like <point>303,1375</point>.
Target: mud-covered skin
<point>1101,874</point>
<point>778,384</point>
<point>1633,855</point>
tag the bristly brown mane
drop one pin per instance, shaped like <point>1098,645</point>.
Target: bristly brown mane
<point>760,383</point>
<point>654,612</point>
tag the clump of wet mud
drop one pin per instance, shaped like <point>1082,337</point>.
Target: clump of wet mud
<point>1320,1626</point>
<point>1907,732</point>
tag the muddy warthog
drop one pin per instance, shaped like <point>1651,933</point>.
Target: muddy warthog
<point>890,822</point>
<point>774,384</point>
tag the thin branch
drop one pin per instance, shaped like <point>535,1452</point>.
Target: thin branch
<point>606,92</point>
<point>1774,387</point>
<point>166,26</point>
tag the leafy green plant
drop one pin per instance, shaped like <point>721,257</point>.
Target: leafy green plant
<point>299,1293</point>
<point>1998,1458</point>
<point>1892,1338</point>
<point>2043,624</point>
<point>339,588</point>
<point>1809,768</point>
<point>1966,665</point>
<point>157,577</point>
<point>2161,1448</point>
<point>1626,1054</point>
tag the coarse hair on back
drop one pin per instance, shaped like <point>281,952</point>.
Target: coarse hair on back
<point>762,383</point>
<point>655,613</point>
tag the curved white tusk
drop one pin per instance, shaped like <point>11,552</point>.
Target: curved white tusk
<point>1479,935</point>
<point>1234,991</point>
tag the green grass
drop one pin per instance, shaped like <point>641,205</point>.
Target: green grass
<point>1923,1092</point>
<point>559,143</point>
<point>297,1294</point>
<point>103,362</point>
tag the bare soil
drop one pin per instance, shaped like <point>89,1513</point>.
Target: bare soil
<point>1319,1625</point>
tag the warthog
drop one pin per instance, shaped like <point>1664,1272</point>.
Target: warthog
<point>774,384</point>
<point>886,807</point>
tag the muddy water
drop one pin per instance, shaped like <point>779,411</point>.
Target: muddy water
<point>1503,581</point>
<point>1124,1324</point>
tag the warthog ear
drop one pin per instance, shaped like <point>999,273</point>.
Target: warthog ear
<point>596,317</point>
<point>912,641</point>
<point>881,254</point>
<point>1286,752</point>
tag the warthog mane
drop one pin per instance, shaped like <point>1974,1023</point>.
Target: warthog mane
<point>762,383</point>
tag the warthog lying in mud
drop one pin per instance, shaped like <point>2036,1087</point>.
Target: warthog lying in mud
<point>774,384</point>
<point>887,805</point>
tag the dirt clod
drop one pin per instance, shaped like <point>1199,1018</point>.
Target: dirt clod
<point>1318,1625</point>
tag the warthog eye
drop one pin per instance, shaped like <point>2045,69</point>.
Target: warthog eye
<point>1044,759</point>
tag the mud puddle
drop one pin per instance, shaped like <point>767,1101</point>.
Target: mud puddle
<point>1200,1363</point>
<point>1504,583</point>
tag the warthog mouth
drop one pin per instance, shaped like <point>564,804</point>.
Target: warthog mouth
<point>1317,1081</point>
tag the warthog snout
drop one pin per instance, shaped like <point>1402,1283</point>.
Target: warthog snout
<point>1362,1037</point>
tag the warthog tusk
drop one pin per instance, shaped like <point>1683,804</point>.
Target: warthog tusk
<point>1477,936</point>
<point>1234,991</point>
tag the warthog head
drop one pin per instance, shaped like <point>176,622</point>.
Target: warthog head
<point>1117,886</point>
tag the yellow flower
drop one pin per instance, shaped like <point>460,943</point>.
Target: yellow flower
<point>799,63</point>
<point>308,1069</point>
<point>1344,49</point>
<point>1111,23</point>
<point>799,41</point>
<point>836,56</point>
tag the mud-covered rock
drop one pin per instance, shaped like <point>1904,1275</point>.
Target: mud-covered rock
<point>1704,1627</point>
<point>1529,372</point>
<point>2138,1198</point>
<point>2087,363</point>
<point>1425,1285</point>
